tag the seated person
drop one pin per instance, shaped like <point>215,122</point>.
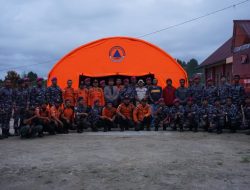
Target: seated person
<point>142,115</point>
<point>30,125</point>
<point>95,115</point>
<point>81,115</point>
<point>55,114</point>
<point>108,116</point>
<point>162,116</point>
<point>125,114</point>
<point>67,116</point>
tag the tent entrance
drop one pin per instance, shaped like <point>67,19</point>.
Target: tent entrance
<point>143,77</point>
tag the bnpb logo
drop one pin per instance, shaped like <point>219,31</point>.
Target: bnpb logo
<point>117,54</point>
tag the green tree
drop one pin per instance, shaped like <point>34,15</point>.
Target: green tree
<point>13,76</point>
<point>32,76</point>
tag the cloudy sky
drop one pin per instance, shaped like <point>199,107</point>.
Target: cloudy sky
<point>33,31</point>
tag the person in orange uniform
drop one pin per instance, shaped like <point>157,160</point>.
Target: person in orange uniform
<point>142,115</point>
<point>125,114</point>
<point>82,92</point>
<point>108,117</point>
<point>95,93</point>
<point>55,116</point>
<point>69,93</point>
<point>67,116</point>
<point>44,118</point>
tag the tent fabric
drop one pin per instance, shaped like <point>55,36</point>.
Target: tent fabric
<point>117,56</point>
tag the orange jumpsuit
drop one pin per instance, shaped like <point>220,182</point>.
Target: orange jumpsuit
<point>69,93</point>
<point>127,111</point>
<point>84,92</point>
<point>140,112</point>
<point>96,93</point>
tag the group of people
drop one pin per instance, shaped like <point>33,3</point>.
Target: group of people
<point>124,104</point>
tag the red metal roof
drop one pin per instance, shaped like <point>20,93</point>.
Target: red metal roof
<point>220,54</point>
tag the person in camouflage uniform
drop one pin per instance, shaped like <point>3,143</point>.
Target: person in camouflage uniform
<point>21,104</point>
<point>205,115</point>
<point>231,115</point>
<point>191,115</point>
<point>127,90</point>
<point>224,90</point>
<point>210,92</point>
<point>162,117</point>
<point>94,116</point>
<point>182,92</point>
<point>38,93</point>
<point>218,115</point>
<point>177,115</point>
<point>54,93</point>
<point>246,116</point>
<point>196,91</point>
<point>237,92</point>
<point>6,107</point>
<point>81,115</point>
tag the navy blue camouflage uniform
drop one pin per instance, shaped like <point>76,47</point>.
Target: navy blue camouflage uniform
<point>54,94</point>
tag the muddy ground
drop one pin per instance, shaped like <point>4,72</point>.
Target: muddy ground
<point>129,160</point>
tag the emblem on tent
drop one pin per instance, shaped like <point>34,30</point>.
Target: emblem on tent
<point>117,54</point>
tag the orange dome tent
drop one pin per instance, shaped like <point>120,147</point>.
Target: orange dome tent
<point>117,56</point>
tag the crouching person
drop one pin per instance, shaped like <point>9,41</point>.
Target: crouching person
<point>44,119</point>
<point>177,115</point>
<point>125,114</point>
<point>162,117</point>
<point>108,117</point>
<point>55,114</point>
<point>142,115</point>
<point>81,115</point>
<point>30,126</point>
<point>191,115</point>
<point>67,116</point>
<point>95,116</point>
<point>231,115</point>
<point>205,115</point>
<point>218,117</point>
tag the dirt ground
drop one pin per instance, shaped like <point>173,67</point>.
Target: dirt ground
<point>129,160</point>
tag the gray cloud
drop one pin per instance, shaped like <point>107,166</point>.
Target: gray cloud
<point>34,32</point>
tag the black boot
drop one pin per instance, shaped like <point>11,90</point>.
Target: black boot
<point>5,133</point>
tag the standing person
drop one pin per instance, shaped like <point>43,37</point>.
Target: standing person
<point>128,90</point>
<point>6,107</point>
<point>142,115</point>
<point>95,93</point>
<point>30,126</point>
<point>154,95</point>
<point>191,117</point>
<point>81,115</point>
<point>237,92</point>
<point>148,82</point>
<point>232,115</point>
<point>102,84</point>
<point>38,93</point>
<point>177,115</point>
<point>108,117</point>
<point>21,105</point>
<point>224,90</point>
<point>246,116</point>
<point>197,91</point>
<point>162,117</point>
<point>68,93</point>
<point>119,84</point>
<point>111,92</point>
<point>141,91</point>
<point>182,92</point>
<point>133,82</point>
<point>87,83</point>
<point>210,92</point>
<point>54,93</point>
<point>67,116</point>
<point>169,93</point>
<point>125,114</point>
<point>82,92</point>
